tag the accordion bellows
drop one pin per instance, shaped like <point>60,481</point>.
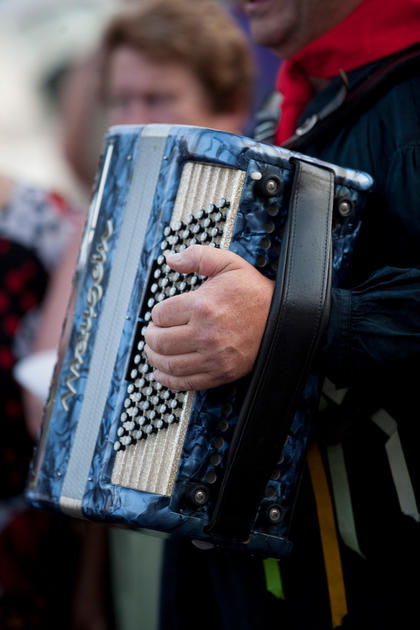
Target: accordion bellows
<point>115,445</point>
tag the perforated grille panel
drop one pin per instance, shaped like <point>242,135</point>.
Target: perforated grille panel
<point>154,419</point>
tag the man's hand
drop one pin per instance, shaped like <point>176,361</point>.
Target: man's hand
<point>210,336</point>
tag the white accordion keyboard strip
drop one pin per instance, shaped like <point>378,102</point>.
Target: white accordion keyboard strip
<point>151,464</point>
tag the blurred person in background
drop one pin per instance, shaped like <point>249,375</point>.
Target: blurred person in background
<point>38,551</point>
<point>183,62</point>
<point>88,96</point>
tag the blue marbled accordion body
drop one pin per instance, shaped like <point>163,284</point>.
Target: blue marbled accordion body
<point>115,446</point>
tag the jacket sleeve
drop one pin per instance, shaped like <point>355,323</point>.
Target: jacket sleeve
<point>375,326</point>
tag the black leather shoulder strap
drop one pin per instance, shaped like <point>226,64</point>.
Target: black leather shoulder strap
<point>297,318</point>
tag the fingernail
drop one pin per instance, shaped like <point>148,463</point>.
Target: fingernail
<point>176,255</point>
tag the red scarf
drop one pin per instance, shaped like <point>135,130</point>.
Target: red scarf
<point>375,29</point>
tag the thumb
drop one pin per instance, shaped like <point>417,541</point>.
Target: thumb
<point>204,260</point>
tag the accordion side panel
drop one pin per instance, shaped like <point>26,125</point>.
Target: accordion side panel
<point>151,465</point>
<point>63,406</point>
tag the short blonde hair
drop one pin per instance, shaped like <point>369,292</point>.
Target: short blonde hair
<point>200,35</point>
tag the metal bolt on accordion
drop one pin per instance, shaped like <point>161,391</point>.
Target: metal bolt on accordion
<point>117,446</point>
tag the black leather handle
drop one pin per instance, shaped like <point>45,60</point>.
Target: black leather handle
<point>297,319</point>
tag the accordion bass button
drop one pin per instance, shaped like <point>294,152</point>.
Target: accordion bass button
<point>215,459</point>
<point>275,475</point>
<point>269,227</point>
<point>202,544</point>
<point>211,477</point>
<point>265,243</point>
<point>227,409</point>
<point>223,425</point>
<point>218,442</point>
<point>273,210</point>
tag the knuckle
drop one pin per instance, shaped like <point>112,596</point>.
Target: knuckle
<point>176,366</point>
<point>158,345</point>
<point>158,314</point>
<point>187,385</point>
<point>176,384</point>
<point>203,308</point>
<point>227,364</point>
<point>172,367</point>
<point>204,338</point>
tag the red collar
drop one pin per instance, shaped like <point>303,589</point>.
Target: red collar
<point>375,29</point>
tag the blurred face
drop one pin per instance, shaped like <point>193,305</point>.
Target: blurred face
<point>286,26</point>
<point>143,91</point>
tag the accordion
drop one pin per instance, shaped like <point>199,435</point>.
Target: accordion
<point>116,445</point>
